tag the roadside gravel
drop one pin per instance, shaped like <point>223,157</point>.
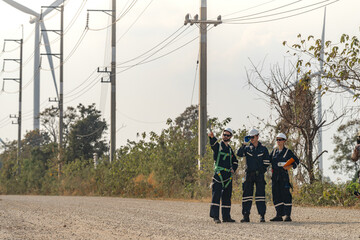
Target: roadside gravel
<point>59,217</point>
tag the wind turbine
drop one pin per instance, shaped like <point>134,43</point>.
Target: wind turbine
<point>319,74</point>
<point>38,20</point>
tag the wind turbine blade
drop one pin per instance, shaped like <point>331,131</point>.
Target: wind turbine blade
<point>343,87</point>
<point>48,51</point>
<point>54,4</point>
<point>322,44</point>
<point>21,8</point>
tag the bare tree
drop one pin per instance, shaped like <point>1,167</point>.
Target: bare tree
<point>295,104</point>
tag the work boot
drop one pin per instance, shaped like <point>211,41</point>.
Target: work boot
<point>262,218</point>
<point>277,218</point>
<point>217,220</point>
<point>245,219</point>
<point>229,219</point>
<point>287,219</point>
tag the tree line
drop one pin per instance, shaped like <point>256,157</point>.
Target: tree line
<point>164,164</point>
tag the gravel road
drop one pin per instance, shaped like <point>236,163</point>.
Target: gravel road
<point>53,217</point>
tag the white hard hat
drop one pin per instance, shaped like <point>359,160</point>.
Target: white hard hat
<point>229,130</point>
<point>281,135</point>
<point>253,132</point>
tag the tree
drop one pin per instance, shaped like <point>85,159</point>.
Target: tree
<point>344,141</point>
<point>294,102</point>
<point>341,62</point>
<point>85,134</point>
<point>50,121</point>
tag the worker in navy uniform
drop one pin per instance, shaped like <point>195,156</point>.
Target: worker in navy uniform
<point>257,162</point>
<point>280,179</point>
<point>224,167</point>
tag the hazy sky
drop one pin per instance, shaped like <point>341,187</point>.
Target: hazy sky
<point>148,94</point>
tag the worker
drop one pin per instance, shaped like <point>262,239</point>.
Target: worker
<point>355,156</point>
<point>225,166</point>
<point>356,152</point>
<point>257,162</point>
<point>282,159</point>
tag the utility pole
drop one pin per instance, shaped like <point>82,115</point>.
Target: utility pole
<point>112,79</point>
<point>113,84</point>
<point>61,98</point>
<point>203,22</point>
<point>61,94</point>
<point>19,80</point>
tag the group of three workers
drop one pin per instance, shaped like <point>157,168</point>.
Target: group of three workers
<point>257,162</point>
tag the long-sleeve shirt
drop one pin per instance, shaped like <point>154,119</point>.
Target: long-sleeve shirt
<point>257,158</point>
<point>230,161</point>
<point>279,158</point>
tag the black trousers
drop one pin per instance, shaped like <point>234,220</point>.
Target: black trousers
<point>282,198</point>
<point>248,192</point>
<point>219,193</point>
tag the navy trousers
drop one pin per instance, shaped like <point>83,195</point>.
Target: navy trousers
<point>282,198</point>
<point>248,192</point>
<point>218,193</point>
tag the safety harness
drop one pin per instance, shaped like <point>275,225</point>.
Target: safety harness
<point>218,169</point>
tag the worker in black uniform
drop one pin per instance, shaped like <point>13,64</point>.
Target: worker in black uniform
<point>280,178</point>
<point>257,161</point>
<point>225,166</point>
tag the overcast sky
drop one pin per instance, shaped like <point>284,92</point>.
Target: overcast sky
<point>148,94</point>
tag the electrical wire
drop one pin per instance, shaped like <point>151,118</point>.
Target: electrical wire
<point>73,50</point>
<point>140,121</point>
<point>285,17</point>
<point>141,55</point>
<point>71,23</point>
<point>82,91</point>
<point>275,14</point>
<point>270,10</point>
<point>18,68</point>
<point>82,83</point>
<point>54,13</point>
<point>127,30</point>
<point>196,70</point>
<point>14,92</point>
<point>118,19</point>
<point>259,5</point>
<point>144,62</point>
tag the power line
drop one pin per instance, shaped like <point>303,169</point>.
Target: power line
<point>127,30</point>
<point>118,19</point>
<point>196,70</point>
<point>259,5</point>
<point>82,83</point>
<point>75,17</point>
<point>139,56</point>
<point>143,61</point>
<point>280,18</point>
<point>73,50</point>
<point>270,10</point>
<point>140,121</point>
<point>82,92</point>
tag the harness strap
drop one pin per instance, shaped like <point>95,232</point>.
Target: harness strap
<point>218,169</point>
